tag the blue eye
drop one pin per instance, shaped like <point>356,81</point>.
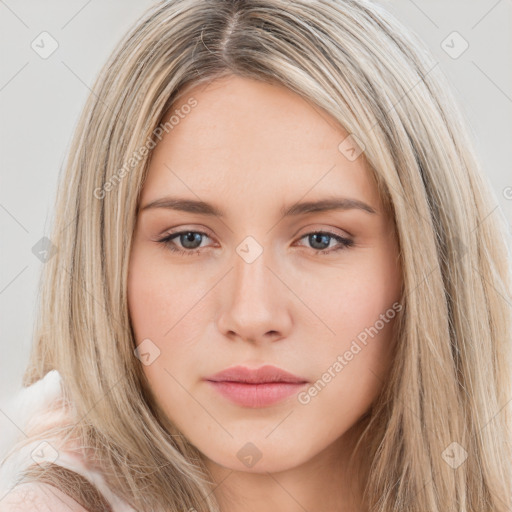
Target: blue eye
<point>188,239</point>
<point>320,238</point>
<point>191,241</point>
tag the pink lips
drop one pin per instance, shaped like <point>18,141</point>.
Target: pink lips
<point>256,387</point>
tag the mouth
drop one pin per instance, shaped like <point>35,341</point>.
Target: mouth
<point>257,387</point>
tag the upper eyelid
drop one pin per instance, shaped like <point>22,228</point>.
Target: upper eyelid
<point>310,229</point>
<point>169,234</point>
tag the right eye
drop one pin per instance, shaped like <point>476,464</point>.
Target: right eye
<point>187,239</point>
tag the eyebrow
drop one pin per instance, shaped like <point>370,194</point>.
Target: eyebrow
<point>203,208</point>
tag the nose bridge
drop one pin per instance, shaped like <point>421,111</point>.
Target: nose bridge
<point>255,307</point>
<point>251,277</point>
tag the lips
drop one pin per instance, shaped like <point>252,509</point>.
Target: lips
<point>264,374</point>
<point>254,388</point>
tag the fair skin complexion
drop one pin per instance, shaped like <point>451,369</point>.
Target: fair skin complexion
<point>251,149</point>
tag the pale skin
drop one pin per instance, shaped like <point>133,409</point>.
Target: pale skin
<point>251,149</point>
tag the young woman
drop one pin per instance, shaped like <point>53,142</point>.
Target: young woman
<point>280,279</point>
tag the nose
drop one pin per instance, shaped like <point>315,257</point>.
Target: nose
<point>256,302</point>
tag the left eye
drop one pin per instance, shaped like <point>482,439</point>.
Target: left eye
<point>191,241</point>
<point>322,237</point>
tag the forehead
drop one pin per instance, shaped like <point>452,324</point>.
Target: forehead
<point>247,138</point>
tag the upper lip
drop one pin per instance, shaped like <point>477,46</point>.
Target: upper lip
<point>267,373</point>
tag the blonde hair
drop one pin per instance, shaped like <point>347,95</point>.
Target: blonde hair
<point>450,379</point>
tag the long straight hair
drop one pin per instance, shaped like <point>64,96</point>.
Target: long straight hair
<point>449,383</point>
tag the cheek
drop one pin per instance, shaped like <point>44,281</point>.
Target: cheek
<point>352,366</point>
<point>349,300</point>
<point>357,307</point>
<point>165,308</point>
<point>159,296</point>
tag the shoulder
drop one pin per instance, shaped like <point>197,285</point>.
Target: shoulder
<point>38,497</point>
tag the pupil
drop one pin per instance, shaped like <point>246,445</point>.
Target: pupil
<point>313,240</point>
<point>189,238</point>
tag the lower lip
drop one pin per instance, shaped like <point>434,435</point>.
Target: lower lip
<point>256,395</point>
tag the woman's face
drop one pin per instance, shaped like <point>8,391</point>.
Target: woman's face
<point>251,286</point>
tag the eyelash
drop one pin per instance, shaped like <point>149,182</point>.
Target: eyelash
<point>346,243</point>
